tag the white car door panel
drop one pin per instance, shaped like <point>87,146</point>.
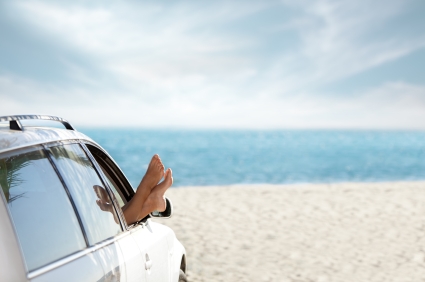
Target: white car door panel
<point>157,257</point>
<point>134,263</point>
<point>112,261</point>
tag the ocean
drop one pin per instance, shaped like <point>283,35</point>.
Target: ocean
<point>222,157</point>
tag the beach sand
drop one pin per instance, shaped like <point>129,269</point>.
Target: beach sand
<point>325,232</point>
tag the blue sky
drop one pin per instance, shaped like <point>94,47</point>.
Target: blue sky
<point>217,64</point>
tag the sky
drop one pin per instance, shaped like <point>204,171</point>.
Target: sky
<point>318,64</point>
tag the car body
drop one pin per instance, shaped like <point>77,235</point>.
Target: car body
<point>52,225</point>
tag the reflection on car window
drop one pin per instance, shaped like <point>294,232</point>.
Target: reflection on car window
<point>44,219</point>
<point>92,201</point>
<point>114,187</point>
<point>112,175</point>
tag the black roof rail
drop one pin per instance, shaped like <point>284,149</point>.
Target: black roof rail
<point>15,124</point>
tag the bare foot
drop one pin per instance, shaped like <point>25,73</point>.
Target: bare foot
<point>156,199</point>
<point>153,175</point>
<point>136,208</point>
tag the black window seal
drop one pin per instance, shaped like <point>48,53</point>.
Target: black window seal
<point>120,176</point>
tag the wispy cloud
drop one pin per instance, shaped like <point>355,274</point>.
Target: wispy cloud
<point>342,38</point>
<point>190,65</point>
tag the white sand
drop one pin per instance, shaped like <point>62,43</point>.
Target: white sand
<point>340,232</point>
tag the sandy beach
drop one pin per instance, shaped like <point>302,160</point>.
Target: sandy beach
<point>325,232</point>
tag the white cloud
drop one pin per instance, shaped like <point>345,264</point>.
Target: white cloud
<point>343,38</point>
<point>126,30</point>
<point>389,106</point>
<point>180,67</point>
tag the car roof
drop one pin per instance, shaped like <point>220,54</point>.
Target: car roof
<point>29,136</point>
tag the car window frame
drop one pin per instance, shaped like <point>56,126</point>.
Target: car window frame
<point>100,174</point>
<point>103,177</point>
<point>62,180</point>
<point>125,188</point>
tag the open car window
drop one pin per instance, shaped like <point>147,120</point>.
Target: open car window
<point>118,183</point>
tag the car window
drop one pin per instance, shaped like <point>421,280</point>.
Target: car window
<point>116,180</point>
<point>114,187</point>
<point>98,214</point>
<point>44,219</point>
<point>117,197</point>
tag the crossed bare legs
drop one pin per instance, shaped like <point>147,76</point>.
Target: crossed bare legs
<point>149,197</point>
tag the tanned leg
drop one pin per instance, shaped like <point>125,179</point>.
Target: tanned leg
<point>156,199</point>
<point>154,173</point>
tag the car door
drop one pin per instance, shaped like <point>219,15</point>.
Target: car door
<point>115,247</point>
<point>45,221</point>
<point>156,250</point>
<point>149,237</point>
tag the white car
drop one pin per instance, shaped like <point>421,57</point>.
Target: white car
<point>52,227</point>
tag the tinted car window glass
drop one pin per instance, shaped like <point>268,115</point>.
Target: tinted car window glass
<point>112,174</point>
<point>120,199</point>
<point>93,202</point>
<point>116,196</point>
<point>44,218</point>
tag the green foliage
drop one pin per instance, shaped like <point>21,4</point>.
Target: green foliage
<point>10,172</point>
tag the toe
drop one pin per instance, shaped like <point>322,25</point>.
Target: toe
<point>155,159</point>
<point>169,176</point>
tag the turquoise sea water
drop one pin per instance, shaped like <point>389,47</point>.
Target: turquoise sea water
<point>237,157</point>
